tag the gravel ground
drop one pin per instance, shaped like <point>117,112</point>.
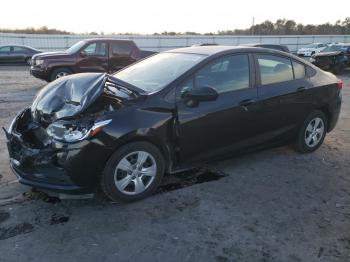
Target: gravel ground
<point>273,205</point>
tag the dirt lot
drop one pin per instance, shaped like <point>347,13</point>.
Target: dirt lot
<point>275,205</point>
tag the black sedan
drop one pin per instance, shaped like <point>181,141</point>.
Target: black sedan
<point>167,113</point>
<point>17,54</point>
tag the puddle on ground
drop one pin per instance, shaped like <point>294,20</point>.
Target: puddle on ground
<point>188,178</point>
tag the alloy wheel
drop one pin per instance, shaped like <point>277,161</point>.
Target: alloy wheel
<point>135,173</point>
<point>314,132</point>
<point>61,74</point>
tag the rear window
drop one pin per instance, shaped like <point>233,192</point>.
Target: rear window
<point>19,49</point>
<point>121,49</point>
<point>274,69</point>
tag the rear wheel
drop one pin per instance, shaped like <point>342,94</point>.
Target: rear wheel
<point>312,132</point>
<point>133,172</point>
<point>60,72</point>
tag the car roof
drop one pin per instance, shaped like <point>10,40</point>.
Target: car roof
<point>106,39</point>
<point>212,50</point>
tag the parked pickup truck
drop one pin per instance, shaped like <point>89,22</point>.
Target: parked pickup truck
<point>90,55</point>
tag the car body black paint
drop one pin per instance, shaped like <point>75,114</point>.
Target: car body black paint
<point>236,121</point>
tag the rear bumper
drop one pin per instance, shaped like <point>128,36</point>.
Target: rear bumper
<point>335,109</point>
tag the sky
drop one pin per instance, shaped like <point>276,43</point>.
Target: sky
<point>150,16</point>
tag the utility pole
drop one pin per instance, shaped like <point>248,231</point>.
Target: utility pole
<point>253,25</point>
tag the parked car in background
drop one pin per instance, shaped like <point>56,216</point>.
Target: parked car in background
<point>334,58</point>
<point>282,48</point>
<point>91,55</point>
<point>17,54</point>
<point>311,49</point>
<point>167,113</point>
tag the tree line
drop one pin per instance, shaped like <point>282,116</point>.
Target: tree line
<point>280,27</point>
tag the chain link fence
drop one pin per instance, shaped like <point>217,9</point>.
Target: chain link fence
<point>162,43</point>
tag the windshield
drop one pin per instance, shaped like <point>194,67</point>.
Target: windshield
<point>154,73</point>
<point>332,48</point>
<point>76,47</point>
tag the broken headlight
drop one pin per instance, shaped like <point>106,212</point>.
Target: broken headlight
<point>69,132</point>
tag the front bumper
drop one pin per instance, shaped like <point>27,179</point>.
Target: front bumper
<point>69,168</point>
<point>39,73</point>
<point>324,66</point>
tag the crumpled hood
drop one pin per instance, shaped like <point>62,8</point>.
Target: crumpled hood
<point>67,96</point>
<point>328,53</point>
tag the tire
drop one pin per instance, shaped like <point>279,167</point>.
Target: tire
<point>312,132</point>
<point>312,53</point>
<point>339,69</point>
<point>28,61</point>
<point>59,72</point>
<point>122,178</point>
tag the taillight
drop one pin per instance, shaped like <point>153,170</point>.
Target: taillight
<point>340,84</point>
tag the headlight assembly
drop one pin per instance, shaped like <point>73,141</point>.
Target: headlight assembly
<point>39,61</point>
<point>66,131</point>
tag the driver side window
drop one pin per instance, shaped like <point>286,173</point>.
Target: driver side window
<point>95,49</point>
<point>225,74</point>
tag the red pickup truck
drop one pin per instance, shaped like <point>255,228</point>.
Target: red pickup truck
<point>91,55</point>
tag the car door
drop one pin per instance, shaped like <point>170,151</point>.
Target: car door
<point>221,126</point>
<point>19,54</point>
<point>120,55</point>
<point>5,52</point>
<point>93,57</point>
<point>283,94</point>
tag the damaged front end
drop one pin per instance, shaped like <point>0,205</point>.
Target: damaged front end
<point>55,143</point>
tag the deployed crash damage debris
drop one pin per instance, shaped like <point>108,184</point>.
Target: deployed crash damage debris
<point>67,110</point>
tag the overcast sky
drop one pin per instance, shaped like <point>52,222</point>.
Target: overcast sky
<point>149,16</point>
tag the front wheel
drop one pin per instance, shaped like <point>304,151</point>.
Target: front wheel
<point>312,132</point>
<point>59,72</point>
<point>133,172</point>
<point>28,61</point>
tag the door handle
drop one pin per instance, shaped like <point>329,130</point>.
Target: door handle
<point>246,102</point>
<point>301,89</point>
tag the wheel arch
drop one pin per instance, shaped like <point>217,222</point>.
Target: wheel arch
<point>165,148</point>
<point>53,68</point>
<point>328,115</point>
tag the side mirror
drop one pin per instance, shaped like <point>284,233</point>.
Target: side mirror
<point>201,94</point>
<point>83,53</point>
